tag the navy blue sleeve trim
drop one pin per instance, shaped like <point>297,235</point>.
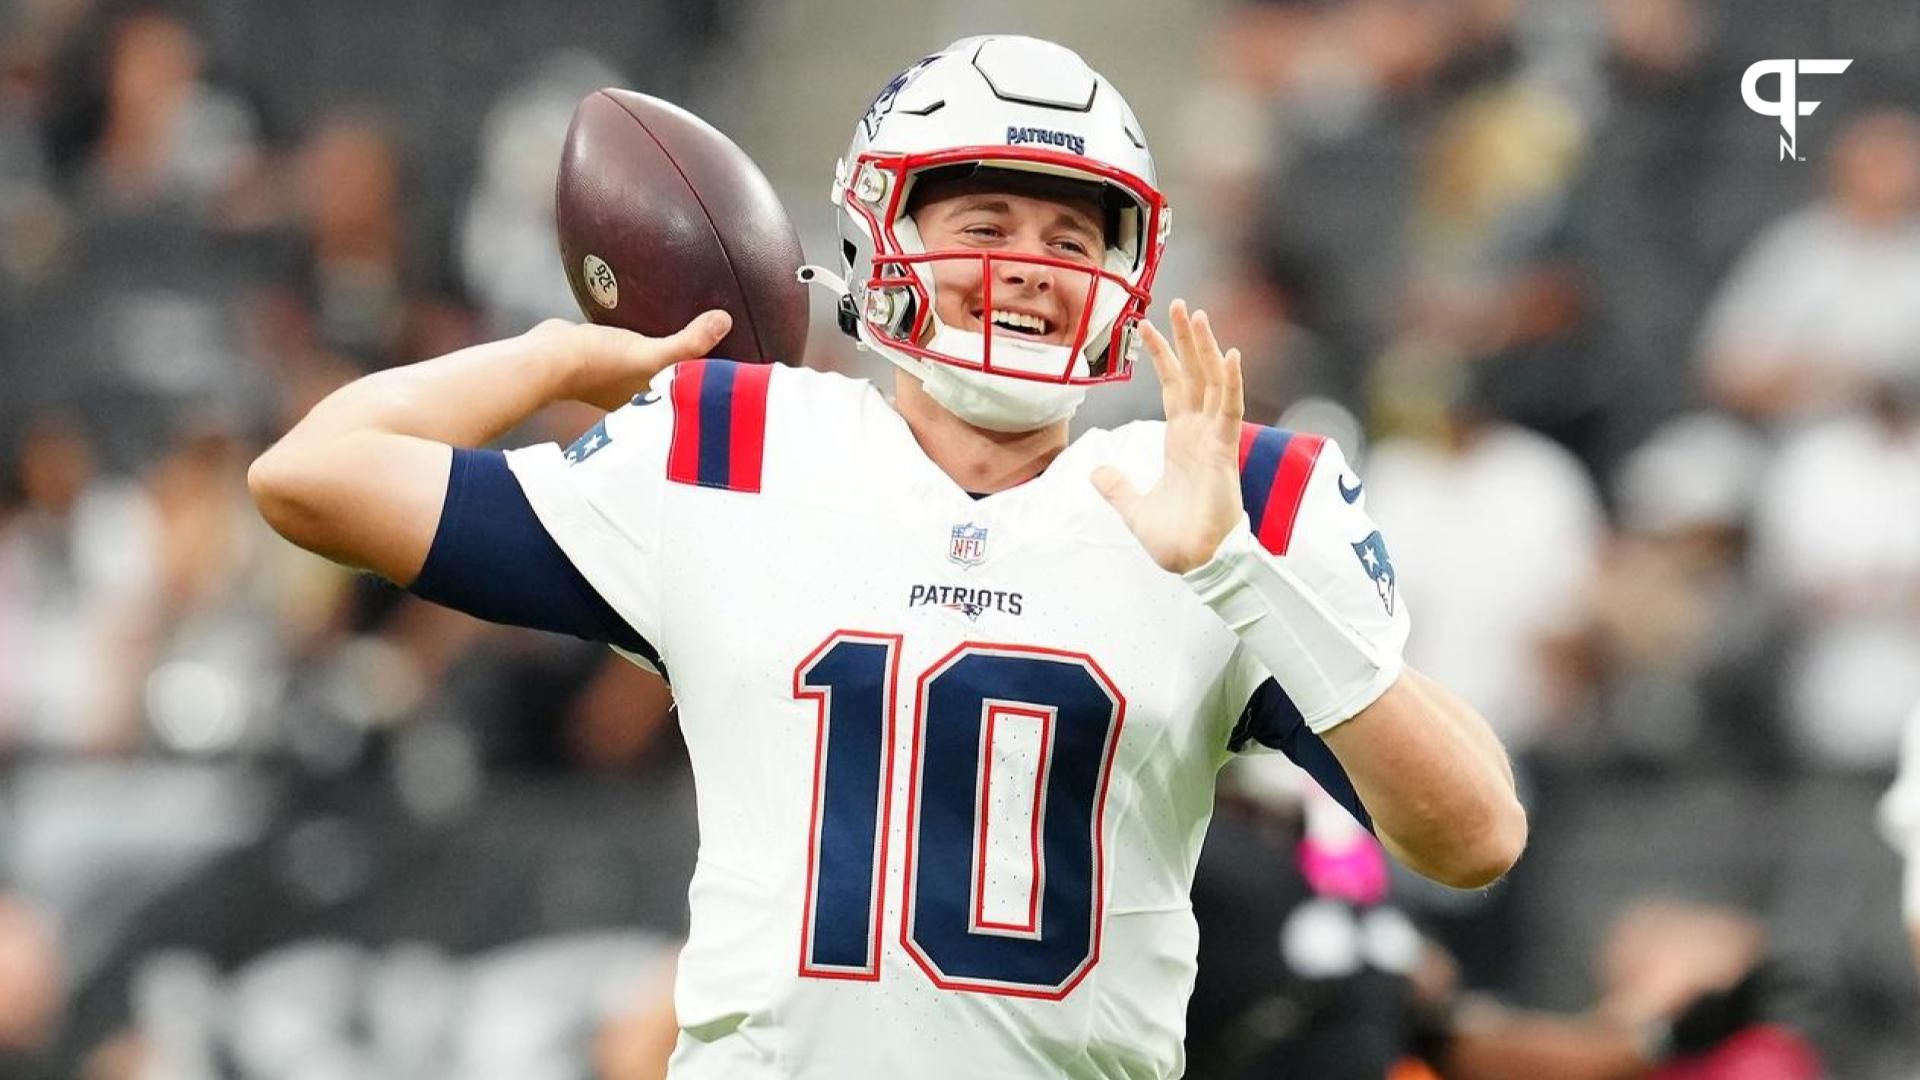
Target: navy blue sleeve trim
<point>492,559</point>
<point>1272,720</point>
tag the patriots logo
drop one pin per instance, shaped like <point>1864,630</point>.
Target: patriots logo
<point>589,444</point>
<point>883,101</point>
<point>968,608</point>
<point>1372,553</point>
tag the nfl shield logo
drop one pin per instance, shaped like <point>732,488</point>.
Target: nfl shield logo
<point>968,544</point>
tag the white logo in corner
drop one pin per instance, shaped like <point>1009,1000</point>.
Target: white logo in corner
<point>1788,109</point>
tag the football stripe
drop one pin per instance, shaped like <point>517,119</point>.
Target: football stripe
<point>683,455</point>
<point>749,431</point>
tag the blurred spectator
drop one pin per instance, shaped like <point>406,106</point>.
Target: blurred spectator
<point>1496,531</point>
<point>350,208</point>
<point>79,599</point>
<point>32,219</point>
<point>1836,533</point>
<point>1230,131</point>
<point>32,987</point>
<point>1685,642</point>
<point>507,252</point>
<point>1825,305</point>
<point>1343,189</point>
<point>235,604</point>
<point>1686,992</point>
<point>1637,214</point>
<point>1487,285</point>
<point>167,137</point>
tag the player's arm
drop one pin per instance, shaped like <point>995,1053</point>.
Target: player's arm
<point>1425,766</point>
<point>363,477</point>
<point>1418,738</point>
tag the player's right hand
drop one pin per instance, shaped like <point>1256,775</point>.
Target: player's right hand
<point>608,366</point>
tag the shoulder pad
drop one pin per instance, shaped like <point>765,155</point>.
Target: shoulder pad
<point>719,424</point>
<point>1274,466</point>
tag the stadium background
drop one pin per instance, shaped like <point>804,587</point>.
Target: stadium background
<point>1636,402</point>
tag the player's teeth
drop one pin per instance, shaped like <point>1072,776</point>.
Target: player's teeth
<point>1014,320</point>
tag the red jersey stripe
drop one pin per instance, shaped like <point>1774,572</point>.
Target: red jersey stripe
<point>1289,489</point>
<point>749,428</point>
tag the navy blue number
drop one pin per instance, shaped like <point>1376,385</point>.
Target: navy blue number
<point>1071,712</point>
<point>852,677</point>
<point>1080,714</point>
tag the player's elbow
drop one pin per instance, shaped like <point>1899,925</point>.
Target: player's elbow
<point>282,486</point>
<point>1484,855</point>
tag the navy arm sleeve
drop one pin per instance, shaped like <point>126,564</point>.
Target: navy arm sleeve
<point>1272,720</point>
<point>492,559</point>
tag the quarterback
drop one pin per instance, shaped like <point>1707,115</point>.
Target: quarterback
<point>955,691</point>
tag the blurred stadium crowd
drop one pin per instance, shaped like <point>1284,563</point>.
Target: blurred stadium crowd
<point>1638,405</point>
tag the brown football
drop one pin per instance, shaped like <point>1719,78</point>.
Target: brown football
<point>662,217</point>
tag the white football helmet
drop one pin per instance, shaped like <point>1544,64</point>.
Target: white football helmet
<point>1031,112</point>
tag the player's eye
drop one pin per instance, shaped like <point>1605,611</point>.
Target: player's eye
<point>983,232</point>
<point>1071,246</point>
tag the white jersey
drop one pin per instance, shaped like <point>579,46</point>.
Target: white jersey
<point>954,757</point>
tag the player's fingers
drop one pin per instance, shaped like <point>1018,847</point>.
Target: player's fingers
<point>699,336</point>
<point>1204,363</point>
<point>1233,406</point>
<point>1117,490</point>
<point>1181,318</point>
<point>1166,366</point>
<point>1206,347</point>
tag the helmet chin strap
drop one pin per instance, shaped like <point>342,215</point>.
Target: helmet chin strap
<point>994,402</point>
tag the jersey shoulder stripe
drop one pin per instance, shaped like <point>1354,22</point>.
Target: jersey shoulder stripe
<point>1274,467</point>
<point>719,424</point>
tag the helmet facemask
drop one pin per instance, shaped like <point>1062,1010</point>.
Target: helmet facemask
<point>900,310</point>
<point>1029,118</point>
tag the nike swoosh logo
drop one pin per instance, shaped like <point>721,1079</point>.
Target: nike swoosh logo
<point>1350,493</point>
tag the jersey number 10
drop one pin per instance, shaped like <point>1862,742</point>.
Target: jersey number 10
<point>1058,713</point>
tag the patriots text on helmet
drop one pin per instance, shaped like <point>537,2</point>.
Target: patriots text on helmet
<point>1066,140</point>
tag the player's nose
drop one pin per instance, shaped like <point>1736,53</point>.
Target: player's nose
<point>1013,269</point>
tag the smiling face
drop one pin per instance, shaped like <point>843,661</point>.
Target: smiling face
<point>1031,302</point>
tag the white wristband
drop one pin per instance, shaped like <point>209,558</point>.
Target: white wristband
<point>1327,668</point>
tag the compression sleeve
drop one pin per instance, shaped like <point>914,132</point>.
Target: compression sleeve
<point>492,559</point>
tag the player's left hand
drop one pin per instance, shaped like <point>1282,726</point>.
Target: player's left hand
<point>1182,519</point>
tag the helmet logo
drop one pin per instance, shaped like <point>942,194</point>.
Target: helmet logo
<point>883,101</point>
<point>1066,140</point>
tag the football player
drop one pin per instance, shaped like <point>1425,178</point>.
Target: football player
<point>954,690</point>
